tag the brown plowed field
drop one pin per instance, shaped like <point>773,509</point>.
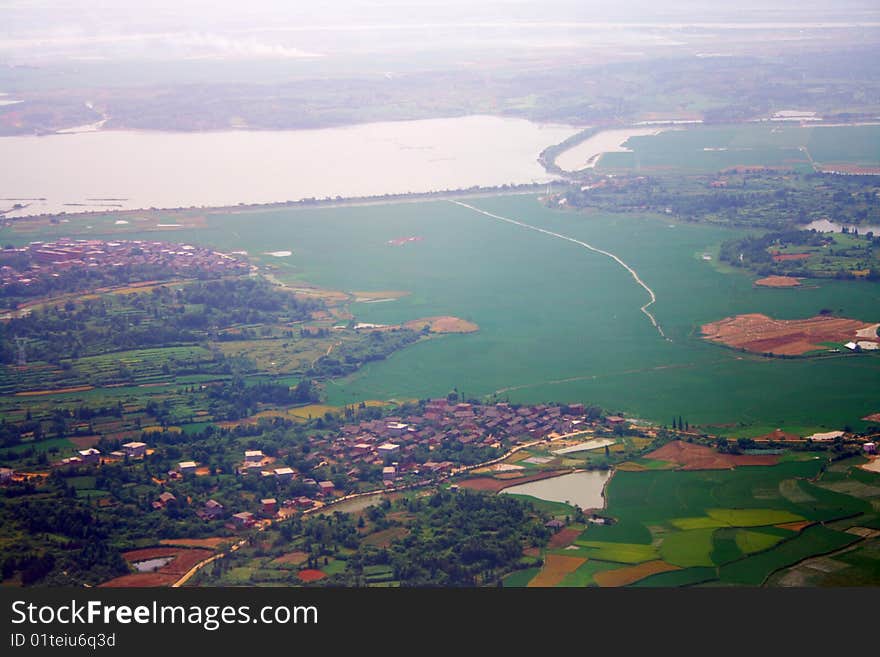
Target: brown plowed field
<point>761,334</point>
<point>779,435</point>
<point>210,543</point>
<point>556,567</point>
<point>184,560</point>
<point>140,580</point>
<point>785,257</point>
<point>564,538</point>
<point>311,575</point>
<point>778,281</point>
<point>689,456</point>
<point>796,526</point>
<point>631,574</point>
<point>495,485</point>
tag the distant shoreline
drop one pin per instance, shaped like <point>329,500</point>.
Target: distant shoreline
<point>339,201</point>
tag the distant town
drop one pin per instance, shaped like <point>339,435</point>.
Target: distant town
<point>39,261</point>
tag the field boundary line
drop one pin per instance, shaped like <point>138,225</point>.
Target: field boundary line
<point>586,245</point>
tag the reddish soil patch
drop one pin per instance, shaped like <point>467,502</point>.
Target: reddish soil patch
<point>563,538</point>
<point>556,567</point>
<point>779,435</point>
<point>778,281</point>
<point>495,485</point>
<point>140,580</point>
<point>311,575</point>
<point>689,456</point>
<point>184,559</point>
<point>631,574</point>
<point>785,257</point>
<point>796,526</point>
<point>532,552</point>
<point>873,417</point>
<point>761,334</point>
<point>210,543</point>
<point>484,483</point>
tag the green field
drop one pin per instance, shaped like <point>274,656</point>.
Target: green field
<point>710,149</point>
<point>557,322</point>
<point>675,515</point>
<point>755,569</point>
<point>520,578</point>
<point>546,506</point>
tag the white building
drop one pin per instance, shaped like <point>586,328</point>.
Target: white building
<point>388,449</point>
<point>253,456</point>
<point>284,474</point>
<point>187,467</point>
<point>396,428</point>
<point>135,450</point>
<point>90,455</point>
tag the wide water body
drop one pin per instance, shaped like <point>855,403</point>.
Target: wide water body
<point>135,169</point>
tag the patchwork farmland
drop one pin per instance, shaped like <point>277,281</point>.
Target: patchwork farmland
<point>737,526</point>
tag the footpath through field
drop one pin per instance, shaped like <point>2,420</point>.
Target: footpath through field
<point>632,271</point>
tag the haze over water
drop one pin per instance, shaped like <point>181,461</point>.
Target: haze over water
<point>166,170</point>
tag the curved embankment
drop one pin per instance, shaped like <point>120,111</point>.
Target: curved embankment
<point>632,271</point>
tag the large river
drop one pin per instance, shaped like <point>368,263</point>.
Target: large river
<point>134,169</point>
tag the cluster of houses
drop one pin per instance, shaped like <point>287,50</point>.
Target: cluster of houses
<point>51,259</point>
<point>392,441</point>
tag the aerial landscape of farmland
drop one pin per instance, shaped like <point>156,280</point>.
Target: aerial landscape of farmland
<point>515,342</point>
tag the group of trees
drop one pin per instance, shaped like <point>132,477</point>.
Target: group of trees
<point>759,199</point>
<point>235,400</point>
<point>81,549</point>
<point>163,317</point>
<point>377,345</point>
<point>756,252</point>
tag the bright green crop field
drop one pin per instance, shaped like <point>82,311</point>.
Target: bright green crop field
<point>768,144</point>
<point>558,322</point>
<point>739,544</point>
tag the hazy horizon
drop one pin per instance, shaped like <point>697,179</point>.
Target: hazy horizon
<point>37,32</point>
